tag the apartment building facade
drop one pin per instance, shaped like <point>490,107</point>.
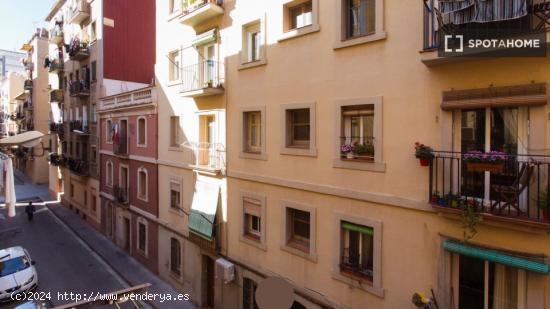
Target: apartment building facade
<point>10,61</point>
<point>31,112</point>
<point>92,55</point>
<point>10,87</point>
<point>324,104</point>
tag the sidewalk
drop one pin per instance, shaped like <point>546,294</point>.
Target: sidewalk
<point>126,267</point>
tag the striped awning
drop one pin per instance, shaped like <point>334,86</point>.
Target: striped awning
<point>518,95</point>
<point>538,265</point>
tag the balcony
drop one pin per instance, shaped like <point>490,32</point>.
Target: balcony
<point>56,127</point>
<point>57,160</point>
<point>56,66</point>
<point>27,105</point>
<point>202,79</point>
<point>78,167</point>
<point>56,35</point>
<point>526,22</point>
<point>513,189</point>
<point>141,96</point>
<point>120,147</point>
<point>79,127</point>
<point>195,12</point>
<point>79,88</point>
<point>28,85</point>
<point>205,157</point>
<point>77,50</point>
<point>121,194</point>
<point>56,95</point>
<point>79,11</point>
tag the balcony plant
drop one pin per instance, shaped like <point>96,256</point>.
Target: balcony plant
<point>434,198</point>
<point>478,161</point>
<point>363,150</point>
<point>423,153</point>
<point>544,205</point>
<point>348,150</point>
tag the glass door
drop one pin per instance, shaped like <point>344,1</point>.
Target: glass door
<point>473,138</point>
<point>209,66</point>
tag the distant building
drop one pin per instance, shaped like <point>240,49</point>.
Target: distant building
<point>10,61</point>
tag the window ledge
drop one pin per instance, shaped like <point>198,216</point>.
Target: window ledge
<point>308,152</point>
<point>308,256</point>
<point>171,83</point>
<point>249,65</point>
<point>253,156</point>
<point>360,166</point>
<point>378,291</point>
<point>141,145</point>
<point>177,212</point>
<point>360,40</point>
<point>175,148</point>
<point>255,243</point>
<point>299,32</point>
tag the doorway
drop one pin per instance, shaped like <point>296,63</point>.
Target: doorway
<point>126,233</point>
<point>208,281</point>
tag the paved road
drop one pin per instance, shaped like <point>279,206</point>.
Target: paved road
<point>63,263</point>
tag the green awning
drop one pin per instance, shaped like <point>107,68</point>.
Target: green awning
<point>205,38</point>
<point>538,265</point>
<point>203,209</point>
<point>357,228</point>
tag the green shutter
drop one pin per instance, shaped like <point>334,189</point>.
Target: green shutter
<point>538,265</point>
<point>357,228</point>
<point>203,209</point>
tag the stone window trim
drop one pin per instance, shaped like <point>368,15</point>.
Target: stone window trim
<point>177,52</point>
<point>138,132</point>
<point>175,145</point>
<point>141,220</point>
<point>263,136</point>
<point>285,231</point>
<point>176,180</point>
<point>243,53</point>
<point>340,40</point>
<point>262,243</point>
<point>294,33</point>
<point>144,197</point>
<point>378,165</point>
<point>127,167</point>
<point>109,174</point>
<point>376,286</point>
<point>286,150</point>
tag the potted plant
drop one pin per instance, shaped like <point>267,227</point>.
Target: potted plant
<point>544,205</point>
<point>348,149</point>
<point>477,161</point>
<point>434,198</point>
<point>364,150</point>
<point>423,153</point>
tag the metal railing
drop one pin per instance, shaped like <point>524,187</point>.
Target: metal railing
<point>77,166</point>
<point>79,88</point>
<point>80,126</point>
<point>204,155</point>
<point>351,262</point>
<point>56,32</point>
<point>121,147</point>
<point>121,194</point>
<point>516,187</point>
<point>189,6</point>
<point>357,148</point>
<point>56,66</point>
<point>536,20</point>
<point>205,74</point>
<point>77,50</point>
<point>56,95</point>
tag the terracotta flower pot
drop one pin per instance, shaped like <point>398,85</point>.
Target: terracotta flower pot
<point>546,215</point>
<point>424,161</point>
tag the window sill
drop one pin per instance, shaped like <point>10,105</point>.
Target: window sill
<point>253,242</point>
<point>360,40</point>
<point>254,156</point>
<point>143,199</point>
<point>175,148</point>
<point>294,33</point>
<point>308,152</point>
<point>172,83</point>
<point>178,212</point>
<point>360,284</point>
<point>359,165</point>
<point>249,65</point>
<point>141,145</point>
<point>306,255</point>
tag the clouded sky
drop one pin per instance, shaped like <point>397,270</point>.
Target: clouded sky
<point>19,19</point>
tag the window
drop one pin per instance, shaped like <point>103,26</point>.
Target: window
<point>94,205</point>
<point>93,72</point>
<point>93,33</point>
<point>300,15</point>
<point>486,285</point>
<point>360,17</point>
<point>357,252</point>
<point>252,218</point>
<point>142,236</point>
<point>359,131</point>
<point>174,131</point>
<point>175,257</point>
<point>174,66</point>
<point>72,190</point>
<point>142,183</point>
<point>253,132</point>
<point>299,228</point>
<point>359,22</point>
<point>93,113</point>
<point>109,131</point>
<point>175,195</point>
<point>249,294</point>
<point>94,154</point>
<point>253,44</point>
<point>142,129</point>
<point>109,174</point>
<point>298,128</point>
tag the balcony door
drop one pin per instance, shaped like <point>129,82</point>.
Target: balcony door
<point>207,65</point>
<point>490,129</point>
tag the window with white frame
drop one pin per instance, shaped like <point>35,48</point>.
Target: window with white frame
<point>357,132</point>
<point>142,131</point>
<point>93,31</point>
<point>175,257</point>
<point>252,218</point>
<point>109,173</point>
<point>252,132</point>
<point>142,236</point>
<point>174,67</point>
<point>142,183</point>
<point>109,131</point>
<point>174,131</point>
<point>253,43</point>
<point>175,195</point>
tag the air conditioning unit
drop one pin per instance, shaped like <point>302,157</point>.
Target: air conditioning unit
<point>225,270</point>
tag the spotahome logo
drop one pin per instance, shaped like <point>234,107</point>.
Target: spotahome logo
<point>474,43</point>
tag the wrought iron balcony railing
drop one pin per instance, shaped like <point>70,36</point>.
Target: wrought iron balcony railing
<point>351,262</point>
<point>205,156</point>
<point>121,146</point>
<point>121,194</point>
<point>79,88</point>
<point>80,127</point>
<point>206,74</point>
<point>77,50</point>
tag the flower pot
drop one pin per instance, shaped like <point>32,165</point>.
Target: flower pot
<point>442,201</point>
<point>546,215</point>
<point>484,167</point>
<point>434,199</point>
<point>350,155</point>
<point>425,161</point>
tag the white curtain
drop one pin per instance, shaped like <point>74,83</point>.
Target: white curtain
<point>10,188</point>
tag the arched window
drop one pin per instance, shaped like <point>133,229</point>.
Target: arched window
<point>142,131</point>
<point>142,183</point>
<point>109,174</point>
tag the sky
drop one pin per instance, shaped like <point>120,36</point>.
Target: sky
<point>19,19</point>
